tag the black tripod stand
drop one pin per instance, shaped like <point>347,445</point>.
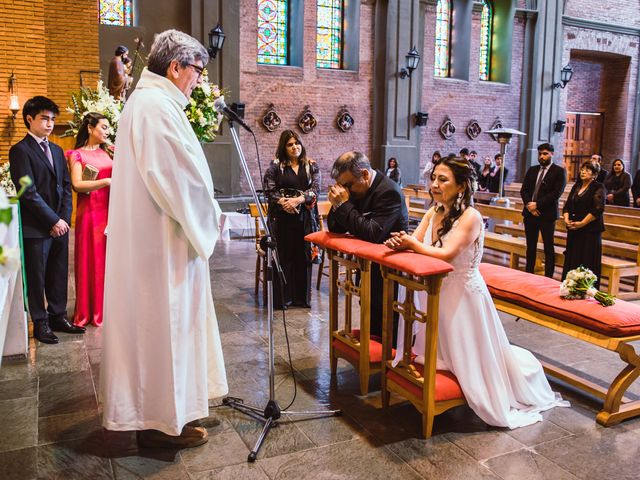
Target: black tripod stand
<point>270,414</point>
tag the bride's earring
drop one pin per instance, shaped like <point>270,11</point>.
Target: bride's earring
<point>459,201</point>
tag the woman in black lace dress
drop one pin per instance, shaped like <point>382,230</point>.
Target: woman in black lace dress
<point>292,183</point>
<point>583,215</point>
<point>618,184</point>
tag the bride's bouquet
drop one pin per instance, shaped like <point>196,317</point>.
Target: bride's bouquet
<point>579,284</point>
<point>202,115</point>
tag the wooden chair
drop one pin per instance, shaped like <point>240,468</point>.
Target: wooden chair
<point>324,208</point>
<point>261,256</point>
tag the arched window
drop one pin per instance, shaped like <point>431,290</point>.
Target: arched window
<point>486,31</point>
<point>116,12</point>
<point>329,33</point>
<point>273,31</point>
<point>443,36</point>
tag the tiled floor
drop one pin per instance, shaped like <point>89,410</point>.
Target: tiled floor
<point>50,414</point>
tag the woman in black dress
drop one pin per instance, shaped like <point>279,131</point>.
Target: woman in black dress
<point>485,174</point>
<point>393,171</point>
<point>292,183</point>
<point>618,184</point>
<point>583,215</point>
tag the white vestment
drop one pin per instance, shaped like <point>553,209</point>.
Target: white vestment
<point>161,354</point>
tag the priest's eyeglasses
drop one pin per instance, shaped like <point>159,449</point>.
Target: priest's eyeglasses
<point>198,69</point>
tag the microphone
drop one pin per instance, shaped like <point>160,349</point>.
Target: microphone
<point>221,107</point>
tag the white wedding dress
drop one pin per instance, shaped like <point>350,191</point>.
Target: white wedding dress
<point>503,384</point>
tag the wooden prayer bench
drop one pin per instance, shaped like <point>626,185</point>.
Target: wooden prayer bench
<point>431,391</point>
<point>355,345</point>
<point>537,299</point>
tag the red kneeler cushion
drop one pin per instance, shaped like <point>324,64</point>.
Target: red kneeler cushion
<point>542,294</point>
<point>409,262</point>
<point>447,386</point>
<point>375,348</point>
<point>341,242</point>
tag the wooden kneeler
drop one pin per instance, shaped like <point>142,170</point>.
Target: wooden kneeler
<point>431,391</point>
<point>352,344</point>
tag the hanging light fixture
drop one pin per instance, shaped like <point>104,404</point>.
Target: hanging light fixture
<point>412,59</point>
<point>14,101</point>
<point>565,77</point>
<point>216,40</point>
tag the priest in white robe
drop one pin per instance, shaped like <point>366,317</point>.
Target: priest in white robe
<point>161,356</point>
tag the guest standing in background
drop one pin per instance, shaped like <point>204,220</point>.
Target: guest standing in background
<point>635,190</point>
<point>46,213</point>
<point>582,213</point>
<point>485,174</point>
<point>91,216</point>
<point>541,189</point>
<point>292,182</point>
<point>428,168</point>
<point>602,173</point>
<point>393,171</point>
<point>494,178</point>
<point>618,184</point>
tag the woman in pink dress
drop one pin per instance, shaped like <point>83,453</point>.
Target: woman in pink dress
<point>91,215</point>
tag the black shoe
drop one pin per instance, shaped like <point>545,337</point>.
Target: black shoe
<point>43,333</point>
<point>61,324</point>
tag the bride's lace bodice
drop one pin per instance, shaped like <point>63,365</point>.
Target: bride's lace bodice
<point>466,263</point>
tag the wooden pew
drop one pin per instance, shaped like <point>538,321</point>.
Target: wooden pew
<point>536,299</point>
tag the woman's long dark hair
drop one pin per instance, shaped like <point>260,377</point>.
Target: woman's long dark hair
<point>465,175</point>
<point>281,152</point>
<point>90,119</point>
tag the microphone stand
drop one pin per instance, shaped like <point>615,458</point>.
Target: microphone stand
<point>270,414</point>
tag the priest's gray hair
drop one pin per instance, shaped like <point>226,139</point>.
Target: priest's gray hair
<point>354,161</point>
<point>173,45</point>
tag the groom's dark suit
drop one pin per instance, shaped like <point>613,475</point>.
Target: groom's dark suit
<point>549,192</point>
<point>373,218</point>
<point>41,206</point>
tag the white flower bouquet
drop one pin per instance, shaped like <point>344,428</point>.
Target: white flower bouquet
<point>202,116</point>
<point>6,184</point>
<point>99,101</point>
<point>579,283</point>
<point>10,257</point>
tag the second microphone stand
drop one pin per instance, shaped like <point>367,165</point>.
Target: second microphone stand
<point>272,412</point>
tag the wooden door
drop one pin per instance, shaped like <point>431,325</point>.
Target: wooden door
<point>582,138</point>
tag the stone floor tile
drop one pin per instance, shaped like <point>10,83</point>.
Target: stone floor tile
<point>539,432</point>
<point>18,464</point>
<point>70,426</point>
<point>483,445</point>
<point>66,393</point>
<point>18,368</point>
<point>19,421</point>
<point>438,459</point>
<point>222,449</point>
<point>79,459</point>
<point>149,468</point>
<point>243,471</point>
<point>21,388</point>
<point>527,465</point>
<point>355,460</point>
<point>65,357</point>
<point>597,454</point>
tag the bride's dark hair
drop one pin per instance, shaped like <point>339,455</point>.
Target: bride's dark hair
<point>464,174</point>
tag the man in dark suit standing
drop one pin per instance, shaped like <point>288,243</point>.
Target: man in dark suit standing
<point>367,204</point>
<point>596,160</point>
<point>542,186</point>
<point>46,213</point>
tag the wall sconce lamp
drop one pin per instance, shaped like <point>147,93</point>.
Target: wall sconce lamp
<point>565,77</point>
<point>413,59</point>
<point>558,126</point>
<point>421,119</point>
<point>14,101</point>
<point>216,40</point>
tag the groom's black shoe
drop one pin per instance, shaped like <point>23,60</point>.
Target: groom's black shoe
<point>43,333</point>
<point>61,324</point>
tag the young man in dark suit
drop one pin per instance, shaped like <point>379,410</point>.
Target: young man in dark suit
<point>46,213</point>
<point>367,204</point>
<point>542,186</point>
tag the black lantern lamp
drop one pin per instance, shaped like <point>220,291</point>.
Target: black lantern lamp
<point>565,77</point>
<point>413,59</point>
<point>216,40</point>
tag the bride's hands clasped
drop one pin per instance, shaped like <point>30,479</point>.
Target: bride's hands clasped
<point>401,241</point>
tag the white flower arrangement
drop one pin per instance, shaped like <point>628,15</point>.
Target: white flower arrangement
<point>578,284</point>
<point>204,119</point>
<point>6,184</point>
<point>99,101</point>
<point>10,257</point>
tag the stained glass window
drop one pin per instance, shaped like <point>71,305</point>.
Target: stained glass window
<point>443,35</point>
<point>486,26</point>
<point>329,34</point>
<point>116,12</point>
<point>273,31</point>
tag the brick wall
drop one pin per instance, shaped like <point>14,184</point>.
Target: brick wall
<point>291,88</point>
<point>46,43</point>
<point>467,100</point>
<point>620,12</point>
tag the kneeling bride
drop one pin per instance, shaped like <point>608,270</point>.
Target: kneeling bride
<point>505,385</point>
